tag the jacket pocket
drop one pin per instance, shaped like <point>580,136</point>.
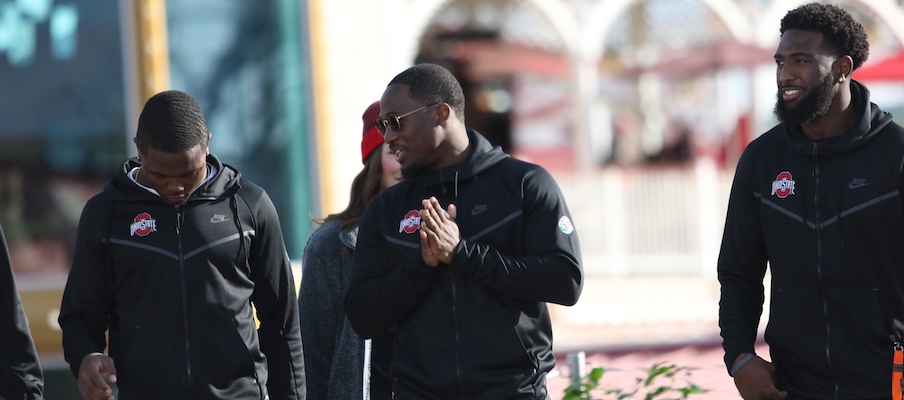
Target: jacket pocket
<point>496,356</point>
<point>817,340</point>
<point>860,342</point>
<point>154,364</point>
<point>221,359</point>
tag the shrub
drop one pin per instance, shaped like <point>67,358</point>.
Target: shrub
<point>659,383</point>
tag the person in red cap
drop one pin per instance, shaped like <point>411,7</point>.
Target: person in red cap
<point>339,364</point>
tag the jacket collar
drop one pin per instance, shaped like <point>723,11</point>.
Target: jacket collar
<point>483,156</point>
<point>871,121</point>
<point>224,184</point>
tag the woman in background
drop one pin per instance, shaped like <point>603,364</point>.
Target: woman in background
<point>338,362</point>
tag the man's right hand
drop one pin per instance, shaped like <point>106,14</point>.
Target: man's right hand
<point>90,377</point>
<point>756,380</point>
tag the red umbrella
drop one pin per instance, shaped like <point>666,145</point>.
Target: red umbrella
<point>889,69</point>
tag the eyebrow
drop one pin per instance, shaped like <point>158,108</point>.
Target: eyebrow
<point>795,54</point>
<point>189,173</point>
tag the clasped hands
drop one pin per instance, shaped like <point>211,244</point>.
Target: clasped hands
<point>439,232</point>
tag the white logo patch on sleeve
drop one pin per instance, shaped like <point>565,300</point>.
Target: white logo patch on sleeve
<point>565,225</point>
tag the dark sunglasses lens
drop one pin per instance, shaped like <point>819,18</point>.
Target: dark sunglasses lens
<point>381,126</point>
<point>394,123</point>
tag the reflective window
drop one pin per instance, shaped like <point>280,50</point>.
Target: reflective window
<point>63,131</point>
<point>244,63</point>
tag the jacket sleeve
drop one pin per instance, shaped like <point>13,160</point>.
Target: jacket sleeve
<point>550,270</point>
<point>20,371</point>
<point>380,294</point>
<point>88,296</point>
<point>320,314</point>
<point>275,301</point>
<point>741,266</point>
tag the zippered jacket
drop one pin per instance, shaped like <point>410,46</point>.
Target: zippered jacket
<point>20,370</point>
<point>828,217</point>
<point>477,328</point>
<point>175,286</point>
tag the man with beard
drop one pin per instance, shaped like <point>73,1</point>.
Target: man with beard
<point>818,198</point>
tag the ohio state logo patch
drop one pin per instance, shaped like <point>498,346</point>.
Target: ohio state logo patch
<point>143,225</point>
<point>411,222</point>
<point>783,185</point>
<point>565,225</point>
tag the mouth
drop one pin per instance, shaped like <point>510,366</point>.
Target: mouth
<point>174,199</point>
<point>398,151</point>
<point>790,94</point>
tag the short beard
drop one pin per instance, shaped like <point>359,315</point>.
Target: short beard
<point>811,107</point>
<point>412,171</point>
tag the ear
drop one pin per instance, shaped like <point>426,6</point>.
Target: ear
<point>844,67</point>
<point>444,111</point>
<point>137,147</point>
<point>207,145</point>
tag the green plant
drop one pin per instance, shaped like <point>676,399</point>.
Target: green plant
<point>658,383</point>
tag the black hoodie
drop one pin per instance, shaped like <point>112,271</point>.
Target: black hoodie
<point>20,370</point>
<point>478,328</point>
<point>828,217</point>
<point>175,286</point>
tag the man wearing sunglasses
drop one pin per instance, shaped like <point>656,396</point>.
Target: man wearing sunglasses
<point>462,256</point>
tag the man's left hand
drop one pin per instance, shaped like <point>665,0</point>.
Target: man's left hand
<point>439,232</point>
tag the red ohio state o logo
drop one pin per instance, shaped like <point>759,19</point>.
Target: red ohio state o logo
<point>143,225</point>
<point>783,186</point>
<point>411,222</point>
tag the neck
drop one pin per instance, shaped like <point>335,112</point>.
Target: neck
<point>456,146</point>
<point>840,117</point>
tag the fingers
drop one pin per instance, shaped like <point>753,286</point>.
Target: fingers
<point>92,386</point>
<point>91,383</point>
<point>433,214</point>
<point>427,250</point>
<point>109,369</point>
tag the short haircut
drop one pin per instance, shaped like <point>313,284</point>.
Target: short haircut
<point>841,32</point>
<point>171,122</point>
<point>431,83</point>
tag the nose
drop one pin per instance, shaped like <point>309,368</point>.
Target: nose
<point>390,135</point>
<point>175,186</point>
<point>783,74</point>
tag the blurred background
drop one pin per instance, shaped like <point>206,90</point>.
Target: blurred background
<point>639,109</point>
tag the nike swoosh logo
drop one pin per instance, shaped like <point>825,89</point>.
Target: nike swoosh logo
<point>479,209</point>
<point>855,185</point>
<point>216,219</point>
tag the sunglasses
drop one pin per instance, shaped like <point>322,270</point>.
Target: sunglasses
<point>395,122</point>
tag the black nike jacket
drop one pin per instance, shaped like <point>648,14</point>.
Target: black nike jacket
<point>477,328</point>
<point>175,285</point>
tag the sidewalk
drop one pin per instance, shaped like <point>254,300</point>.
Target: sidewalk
<point>638,311</point>
<point>623,367</point>
<point>627,324</point>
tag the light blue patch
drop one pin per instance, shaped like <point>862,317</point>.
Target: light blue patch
<point>565,225</point>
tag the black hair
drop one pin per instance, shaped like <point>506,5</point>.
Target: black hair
<point>431,83</point>
<point>171,122</point>
<point>839,30</point>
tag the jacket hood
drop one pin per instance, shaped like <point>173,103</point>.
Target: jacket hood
<point>872,120</point>
<point>349,237</point>
<point>483,156</point>
<point>224,184</point>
